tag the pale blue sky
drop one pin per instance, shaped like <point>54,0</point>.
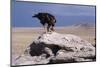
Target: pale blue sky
<point>65,14</point>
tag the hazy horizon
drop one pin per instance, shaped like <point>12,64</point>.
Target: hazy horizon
<point>65,15</point>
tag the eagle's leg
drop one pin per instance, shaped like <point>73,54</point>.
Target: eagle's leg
<point>52,28</point>
<point>48,28</point>
<point>44,26</point>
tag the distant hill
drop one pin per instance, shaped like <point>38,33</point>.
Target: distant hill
<point>83,25</point>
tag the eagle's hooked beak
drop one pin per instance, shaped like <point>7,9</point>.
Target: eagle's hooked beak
<point>34,16</point>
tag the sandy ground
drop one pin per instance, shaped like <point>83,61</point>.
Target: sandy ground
<point>22,37</point>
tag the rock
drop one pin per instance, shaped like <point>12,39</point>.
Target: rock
<point>58,48</point>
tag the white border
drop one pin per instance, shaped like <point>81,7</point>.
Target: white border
<point>5,34</point>
<point>86,2</point>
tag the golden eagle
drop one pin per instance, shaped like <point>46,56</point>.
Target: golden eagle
<point>46,18</point>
